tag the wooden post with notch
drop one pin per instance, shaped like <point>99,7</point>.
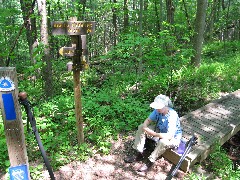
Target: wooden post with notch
<point>77,44</point>
<point>13,125</point>
<point>75,29</point>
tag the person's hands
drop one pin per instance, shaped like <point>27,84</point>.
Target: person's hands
<point>149,131</point>
<point>158,135</point>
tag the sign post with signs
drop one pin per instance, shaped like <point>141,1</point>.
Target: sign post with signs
<point>73,27</point>
<point>67,51</point>
<point>77,31</point>
<point>13,125</point>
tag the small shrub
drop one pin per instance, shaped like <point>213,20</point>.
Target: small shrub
<point>222,165</point>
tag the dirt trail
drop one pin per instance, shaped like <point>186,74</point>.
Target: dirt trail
<point>112,166</point>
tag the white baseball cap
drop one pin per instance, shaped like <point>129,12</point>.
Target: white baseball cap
<point>160,102</point>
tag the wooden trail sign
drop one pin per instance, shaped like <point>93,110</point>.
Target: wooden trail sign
<point>12,120</point>
<point>67,51</point>
<point>77,31</point>
<point>73,27</point>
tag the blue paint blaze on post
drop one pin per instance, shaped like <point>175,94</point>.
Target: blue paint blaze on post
<point>19,172</point>
<point>9,107</point>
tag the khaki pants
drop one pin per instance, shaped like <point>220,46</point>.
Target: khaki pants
<point>160,148</point>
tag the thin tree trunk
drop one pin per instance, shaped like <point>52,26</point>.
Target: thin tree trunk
<point>187,16</point>
<point>157,16</point>
<point>161,14</point>
<point>47,67</point>
<point>140,34</point>
<point>126,16</point>
<point>199,31</point>
<point>114,24</point>
<point>170,19</point>
<point>27,8</point>
<point>170,11</point>
<point>226,21</point>
<point>30,25</point>
<point>210,25</point>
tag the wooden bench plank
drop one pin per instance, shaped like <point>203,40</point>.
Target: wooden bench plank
<point>217,121</point>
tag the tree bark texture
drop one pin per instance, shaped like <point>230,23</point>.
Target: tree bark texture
<point>30,25</point>
<point>140,66</point>
<point>47,67</point>
<point>199,31</point>
<point>114,20</point>
<point>157,16</point>
<point>187,16</point>
<point>170,11</point>
<point>161,14</point>
<point>211,20</point>
<point>126,16</point>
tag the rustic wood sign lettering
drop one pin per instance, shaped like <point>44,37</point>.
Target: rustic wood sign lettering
<point>73,27</point>
<point>67,51</point>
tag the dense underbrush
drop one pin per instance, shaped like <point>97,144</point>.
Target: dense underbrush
<point>116,101</point>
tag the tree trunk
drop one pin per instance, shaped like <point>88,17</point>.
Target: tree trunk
<point>199,31</point>
<point>226,22</point>
<point>170,11</point>
<point>187,16</point>
<point>140,34</point>
<point>30,25</point>
<point>114,24</point>
<point>157,16</point>
<point>170,19</point>
<point>161,14</point>
<point>47,67</point>
<point>212,18</point>
<point>126,17</point>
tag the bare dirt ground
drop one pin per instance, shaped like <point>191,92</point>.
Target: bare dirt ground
<point>113,167</point>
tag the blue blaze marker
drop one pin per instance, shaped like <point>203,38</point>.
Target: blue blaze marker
<point>9,107</point>
<point>19,172</point>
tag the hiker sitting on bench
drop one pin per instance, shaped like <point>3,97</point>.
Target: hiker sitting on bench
<point>167,130</point>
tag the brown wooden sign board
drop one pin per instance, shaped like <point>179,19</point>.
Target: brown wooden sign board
<point>67,51</point>
<point>73,27</point>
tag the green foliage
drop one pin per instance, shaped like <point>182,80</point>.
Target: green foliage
<point>56,125</point>
<point>116,94</point>
<point>194,176</point>
<point>35,172</point>
<point>111,107</point>
<point>107,114</point>
<point>3,156</point>
<point>222,165</point>
<point>194,87</point>
<point>218,51</point>
<point>4,161</point>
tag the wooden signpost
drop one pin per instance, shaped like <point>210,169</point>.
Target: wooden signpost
<point>67,51</point>
<point>13,125</point>
<point>78,31</point>
<point>73,27</point>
